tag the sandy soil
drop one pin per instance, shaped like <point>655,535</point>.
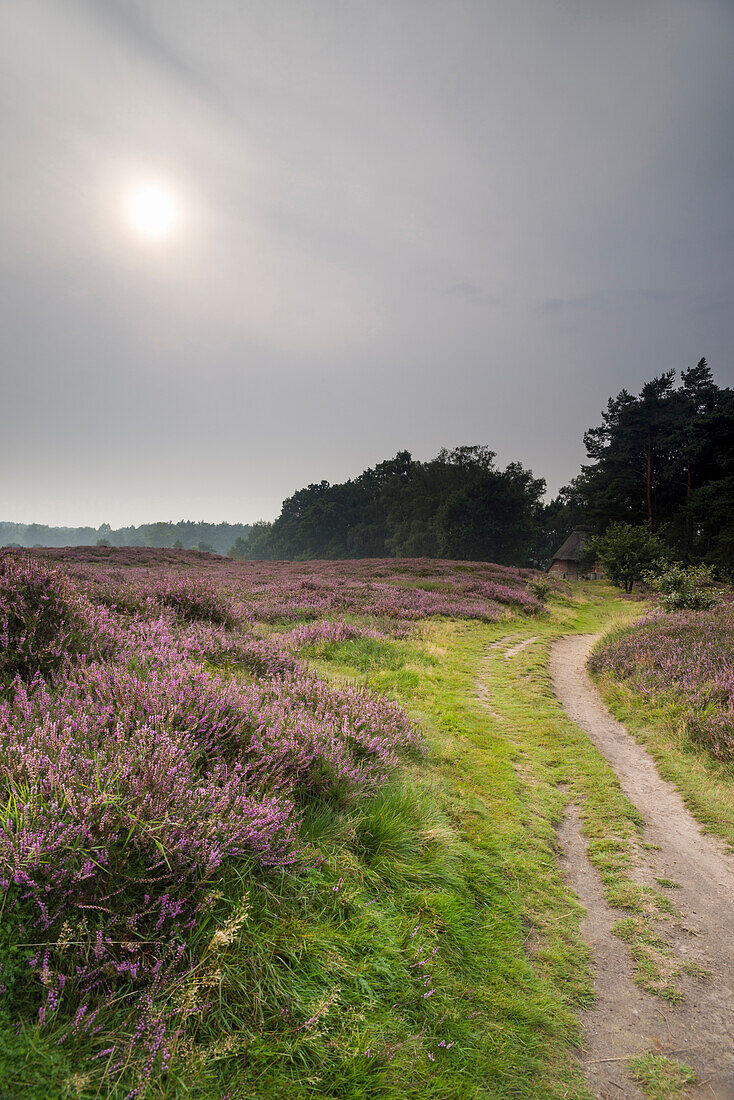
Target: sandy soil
<point>625,1020</point>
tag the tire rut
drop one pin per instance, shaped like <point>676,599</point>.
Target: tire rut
<point>626,1021</point>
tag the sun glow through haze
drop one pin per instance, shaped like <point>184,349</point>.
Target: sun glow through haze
<point>152,210</point>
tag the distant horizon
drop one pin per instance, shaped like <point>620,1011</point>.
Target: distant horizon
<point>125,526</point>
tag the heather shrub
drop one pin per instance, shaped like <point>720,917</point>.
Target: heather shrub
<point>130,789</point>
<point>231,651</point>
<point>263,658</point>
<point>713,729</point>
<point>119,595</point>
<point>120,809</point>
<point>177,795</point>
<point>684,657</point>
<point>193,600</point>
<point>38,628</point>
<point>328,632</point>
<point>317,740</point>
<point>509,595</point>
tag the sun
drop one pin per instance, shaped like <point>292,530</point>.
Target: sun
<point>151,210</point>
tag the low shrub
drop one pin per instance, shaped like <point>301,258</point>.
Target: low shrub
<point>682,589</point>
<point>686,657</point>
<point>626,553</point>
<point>540,587</point>
<point>193,600</point>
<point>133,782</point>
<point>38,626</point>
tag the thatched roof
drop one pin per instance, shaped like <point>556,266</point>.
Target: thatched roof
<point>573,547</point>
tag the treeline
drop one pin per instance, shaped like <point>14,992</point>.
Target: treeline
<point>217,538</point>
<point>457,505</point>
<point>664,459</point>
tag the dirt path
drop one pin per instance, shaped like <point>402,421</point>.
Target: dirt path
<point>625,1020</point>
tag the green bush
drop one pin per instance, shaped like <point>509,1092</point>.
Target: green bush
<point>540,587</point>
<point>682,589</point>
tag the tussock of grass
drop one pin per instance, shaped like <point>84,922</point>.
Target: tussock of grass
<point>659,1077</point>
<point>362,654</point>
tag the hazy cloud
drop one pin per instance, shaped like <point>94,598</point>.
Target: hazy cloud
<point>402,225</point>
<point>470,292</point>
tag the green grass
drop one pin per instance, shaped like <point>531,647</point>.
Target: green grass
<point>661,1078</point>
<point>557,762</point>
<point>362,654</point>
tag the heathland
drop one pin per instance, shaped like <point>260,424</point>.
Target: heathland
<point>289,829</point>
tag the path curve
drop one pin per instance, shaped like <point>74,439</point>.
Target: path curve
<point>626,1021</point>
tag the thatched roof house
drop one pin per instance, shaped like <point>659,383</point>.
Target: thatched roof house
<point>566,561</point>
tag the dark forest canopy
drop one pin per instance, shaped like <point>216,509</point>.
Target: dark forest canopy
<point>186,535</point>
<point>664,459</point>
<point>457,505</point>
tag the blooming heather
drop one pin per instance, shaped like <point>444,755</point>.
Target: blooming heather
<point>687,656</point>
<point>394,590</point>
<point>36,618</point>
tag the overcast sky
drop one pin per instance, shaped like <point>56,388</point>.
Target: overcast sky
<point>386,225</point>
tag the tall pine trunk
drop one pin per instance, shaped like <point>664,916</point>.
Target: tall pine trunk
<point>688,504</point>
<point>649,483</point>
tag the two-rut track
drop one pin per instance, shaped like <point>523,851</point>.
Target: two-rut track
<point>625,1020</point>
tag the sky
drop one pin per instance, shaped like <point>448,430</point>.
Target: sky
<point>246,245</point>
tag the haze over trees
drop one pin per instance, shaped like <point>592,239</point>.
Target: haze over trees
<point>185,535</point>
